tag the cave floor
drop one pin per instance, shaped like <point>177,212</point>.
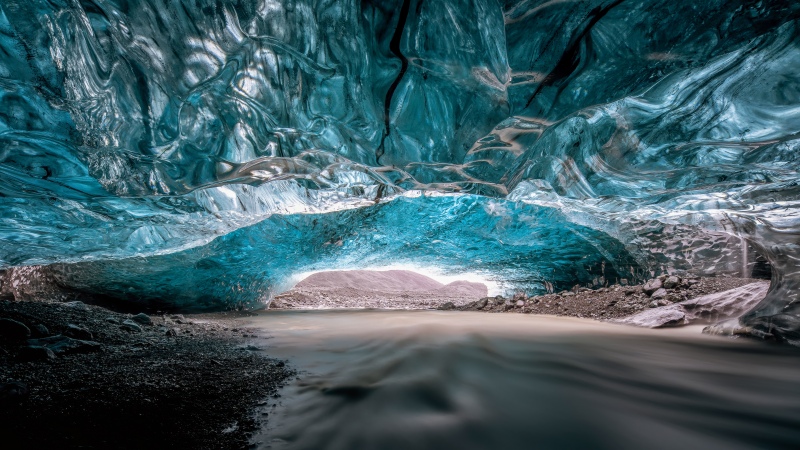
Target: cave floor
<point>178,382</point>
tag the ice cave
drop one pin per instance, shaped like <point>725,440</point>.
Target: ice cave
<point>198,156</point>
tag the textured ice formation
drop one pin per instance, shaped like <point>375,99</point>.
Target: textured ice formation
<point>197,153</point>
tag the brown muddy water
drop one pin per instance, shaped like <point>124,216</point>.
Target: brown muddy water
<point>372,379</point>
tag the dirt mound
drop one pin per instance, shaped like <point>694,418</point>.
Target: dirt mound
<point>370,280</point>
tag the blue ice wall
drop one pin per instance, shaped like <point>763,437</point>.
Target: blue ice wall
<point>147,143</point>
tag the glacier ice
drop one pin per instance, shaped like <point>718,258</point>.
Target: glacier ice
<point>197,153</point>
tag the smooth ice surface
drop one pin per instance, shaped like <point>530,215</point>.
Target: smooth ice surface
<point>200,152</point>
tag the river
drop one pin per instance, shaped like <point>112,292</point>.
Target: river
<point>372,379</point>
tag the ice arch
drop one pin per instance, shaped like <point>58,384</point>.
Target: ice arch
<point>199,152</point>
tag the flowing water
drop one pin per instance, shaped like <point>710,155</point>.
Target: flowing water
<point>457,380</point>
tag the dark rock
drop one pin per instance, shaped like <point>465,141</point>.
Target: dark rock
<point>13,392</point>
<point>64,345</point>
<point>36,353</point>
<point>672,282</point>
<point>78,332</point>
<point>652,286</point>
<point>480,304</point>
<point>171,332</point>
<point>112,319</point>
<point>447,306</point>
<point>142,318</point>
<point>13,330</point>
<point>39,330</point>
<point>132,326</point>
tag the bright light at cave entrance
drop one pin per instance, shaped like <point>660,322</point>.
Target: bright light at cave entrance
<point>433,272</point>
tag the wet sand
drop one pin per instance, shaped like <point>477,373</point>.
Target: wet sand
<point>436,379</point>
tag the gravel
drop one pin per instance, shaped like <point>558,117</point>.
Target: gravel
<point>607,303</point>
<point>178,383</point>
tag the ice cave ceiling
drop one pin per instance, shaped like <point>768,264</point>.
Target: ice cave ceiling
<point>197,153</point>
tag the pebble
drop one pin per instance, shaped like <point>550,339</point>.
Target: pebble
<point>14,330</point>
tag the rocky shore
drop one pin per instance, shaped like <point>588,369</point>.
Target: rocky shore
<point>611,303</point>
<point>80,376</point>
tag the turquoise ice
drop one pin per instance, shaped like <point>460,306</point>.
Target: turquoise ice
<point>196,154</point>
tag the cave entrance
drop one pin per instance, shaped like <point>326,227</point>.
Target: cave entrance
<point>384,289</point>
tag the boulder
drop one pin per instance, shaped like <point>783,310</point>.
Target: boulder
<point>446,306</point>
<point>672,282</point>
<point>652,286</point>
<point>13,330</point>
